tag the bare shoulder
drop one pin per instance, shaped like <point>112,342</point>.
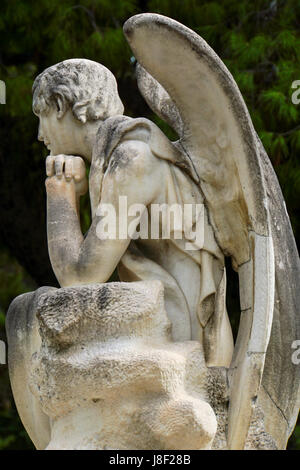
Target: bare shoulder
<point>133,155</point>
<point>131,145</point>
<point>134,170</point>
<point>133,167</point>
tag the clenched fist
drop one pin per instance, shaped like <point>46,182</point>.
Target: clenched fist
<point>67,168</point>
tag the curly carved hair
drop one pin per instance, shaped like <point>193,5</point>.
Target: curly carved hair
<point>86,87</point>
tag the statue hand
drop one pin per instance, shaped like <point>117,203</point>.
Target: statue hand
<point>68,168</point>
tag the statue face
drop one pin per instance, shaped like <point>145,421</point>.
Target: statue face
<point>60,135</point>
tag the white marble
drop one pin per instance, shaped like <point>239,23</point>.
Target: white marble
<point>217,164</point>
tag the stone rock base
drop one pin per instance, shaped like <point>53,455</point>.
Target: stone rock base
<point>108,376</point>
<point>94,367</point>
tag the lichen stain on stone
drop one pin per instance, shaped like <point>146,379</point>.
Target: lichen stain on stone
<point>119,159</point>
<point>103,298</point>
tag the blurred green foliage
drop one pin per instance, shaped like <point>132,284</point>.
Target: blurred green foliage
<point>259,41</point>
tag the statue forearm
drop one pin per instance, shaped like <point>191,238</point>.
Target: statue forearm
<point>76,260</point>
<point>63,228</point>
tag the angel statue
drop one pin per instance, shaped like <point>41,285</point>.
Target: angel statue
<point>218,162</point>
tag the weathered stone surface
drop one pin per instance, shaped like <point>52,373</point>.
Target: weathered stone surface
<point>216,132</point>
<point>101,371</point>
<point>106,373</point>
<point>280,394</point>
<point>132,365</point>
<point>24,341</point>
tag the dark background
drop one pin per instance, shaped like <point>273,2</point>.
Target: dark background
<point>259,41</point>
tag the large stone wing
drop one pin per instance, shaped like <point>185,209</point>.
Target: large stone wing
<point>187,84</point>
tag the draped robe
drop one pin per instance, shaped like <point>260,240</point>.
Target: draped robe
<point>194,280</point>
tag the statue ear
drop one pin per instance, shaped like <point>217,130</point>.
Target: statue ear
<point>80,111</point>
<point>60,105</point>
<point>82,117</point>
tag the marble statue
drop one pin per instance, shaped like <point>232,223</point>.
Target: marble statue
<point>170,304</point>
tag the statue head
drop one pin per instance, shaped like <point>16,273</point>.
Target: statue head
<point>71,98</point>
